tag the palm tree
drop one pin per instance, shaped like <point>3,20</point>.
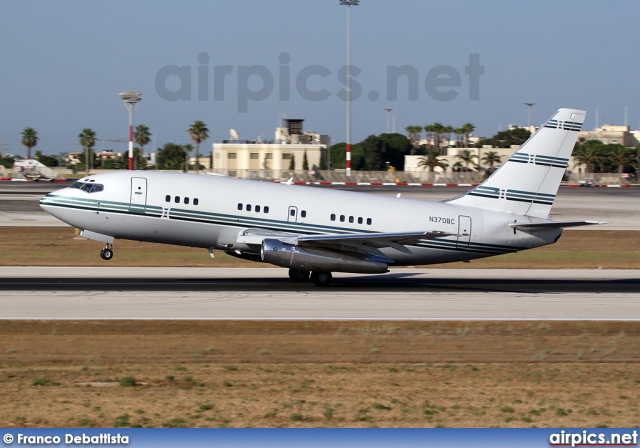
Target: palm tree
<point>431,161</point>
<point>438,129</point>
<point>87,140</point>
<point>187,150</point>
<point>459,133</point>
<point>491,158</point>
<point>468,129</point>
<point>141,137</point>
<point>467,157</point>
<point>414,136</point>
<point>621,156</point>
<point>447,132</point>
<point>199,133</point>
<point>29,139</point>
<point>429,134</point>
<point>590,157</point>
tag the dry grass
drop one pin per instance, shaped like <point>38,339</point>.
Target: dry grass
<point>310,374</point>
<point>56,246</point>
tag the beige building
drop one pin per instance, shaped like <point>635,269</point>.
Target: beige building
<point>269,159</point>
<point>610,134</point>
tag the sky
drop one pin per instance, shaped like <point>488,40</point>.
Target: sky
<point>246,64</point>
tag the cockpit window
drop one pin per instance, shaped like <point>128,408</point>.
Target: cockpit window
<point>89,188</point>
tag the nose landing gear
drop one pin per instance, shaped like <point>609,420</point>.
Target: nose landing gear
<point>107,252</point>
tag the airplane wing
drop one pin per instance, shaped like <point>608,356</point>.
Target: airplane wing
<point>378,240</point>
<point>557,224</point>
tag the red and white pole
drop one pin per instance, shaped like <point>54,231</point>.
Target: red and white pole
<point>348,161</point>
<point>130,100</point>
<point>131,138</point>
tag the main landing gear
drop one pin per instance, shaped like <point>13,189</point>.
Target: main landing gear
<point>299,276</point>
<point>318,278</point>
<point>107,252</point>
<point>321,278</point>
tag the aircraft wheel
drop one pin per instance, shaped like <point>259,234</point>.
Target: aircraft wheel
<point>321,278</point>
<point>106,254</point>
<point>299,276</point>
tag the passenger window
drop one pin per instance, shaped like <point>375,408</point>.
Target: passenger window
<point>341,218</point>
<point>195,201</point>
<point>293,212</point>
<point>177,199</point>
<point>167,198</point>
<point>248,207</point>
<point>303,213</point>
<point>333,216</point>
<point>359,220</point>
<point>257,209</point>
<point>351,219</point>
<point>239,206</point>
<point>186,200</point>
<point>368,221</point>
<point>266,209</point>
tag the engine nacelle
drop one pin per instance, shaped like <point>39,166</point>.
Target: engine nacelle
<point>311,259</point>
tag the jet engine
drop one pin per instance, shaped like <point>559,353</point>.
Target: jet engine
<point>317,259</point>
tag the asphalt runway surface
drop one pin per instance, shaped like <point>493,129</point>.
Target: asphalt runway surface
<point>265,293</point>
<point>616,206</point>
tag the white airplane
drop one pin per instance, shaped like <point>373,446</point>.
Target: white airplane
<point>315,232</point>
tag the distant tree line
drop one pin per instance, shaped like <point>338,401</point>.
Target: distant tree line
<point>375,153</point>
<point>593,156</point>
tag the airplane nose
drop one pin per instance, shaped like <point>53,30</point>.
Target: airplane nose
<point>47,203</point>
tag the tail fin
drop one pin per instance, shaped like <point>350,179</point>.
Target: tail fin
<point>527,183</point>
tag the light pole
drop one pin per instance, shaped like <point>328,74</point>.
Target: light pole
<point>130,100</point>
<point>388,109</point>
<point>530,106</point>
<point>349,4</point>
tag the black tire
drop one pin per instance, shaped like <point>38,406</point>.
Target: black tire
<point>321,278</point>
<point>106,254</point>
<point>299,276</point>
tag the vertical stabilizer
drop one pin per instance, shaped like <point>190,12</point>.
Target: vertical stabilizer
<point>527,183</point>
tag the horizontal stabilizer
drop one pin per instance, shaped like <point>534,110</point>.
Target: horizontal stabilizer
<point>556,224</point>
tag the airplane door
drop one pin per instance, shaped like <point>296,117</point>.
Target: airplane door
<point>464,232</point>
<point>292,216</point>
<point>138,195</point>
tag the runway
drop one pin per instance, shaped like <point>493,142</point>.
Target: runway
<point>406,294</point>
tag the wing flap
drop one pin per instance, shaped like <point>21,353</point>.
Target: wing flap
<point>383,238</point>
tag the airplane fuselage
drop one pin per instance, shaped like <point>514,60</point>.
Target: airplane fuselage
<point>221,213</point>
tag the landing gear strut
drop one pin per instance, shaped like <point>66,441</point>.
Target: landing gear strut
<point>299,276</point>
<point>321,278</point>
<point>107,252</point>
